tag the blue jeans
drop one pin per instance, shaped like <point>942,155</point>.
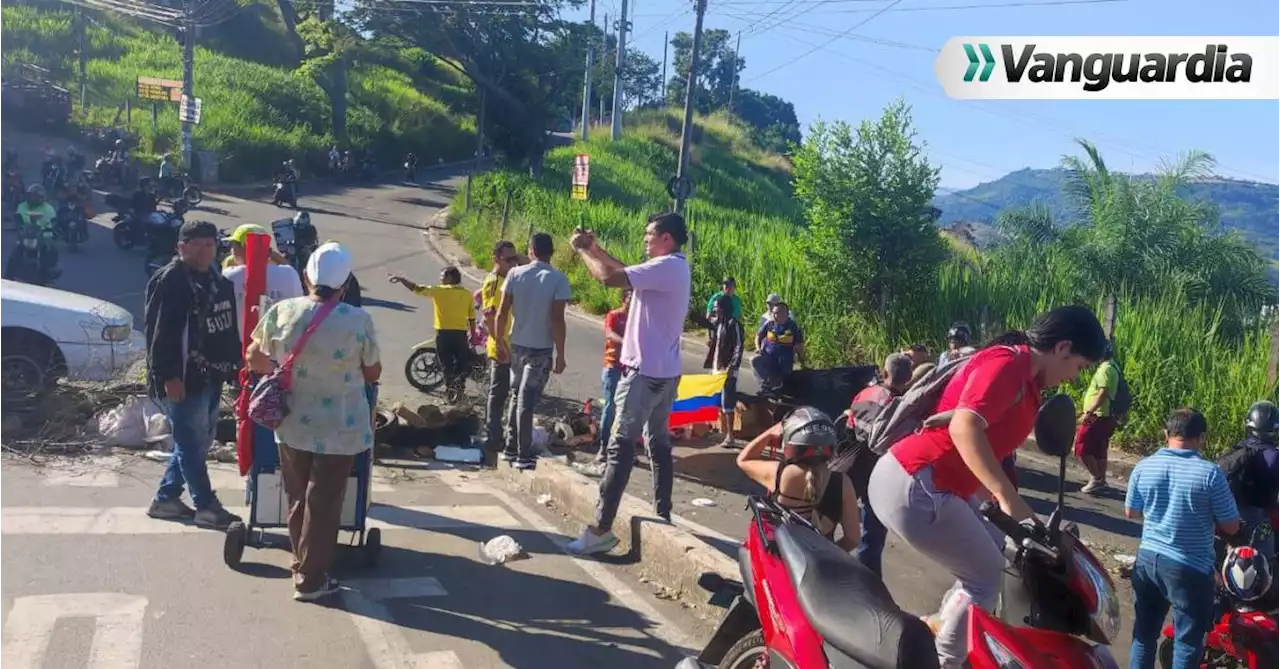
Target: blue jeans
<point>194,420</point>
<point>1158,584</point>
<point>609,377</point>
<point>871,544</point>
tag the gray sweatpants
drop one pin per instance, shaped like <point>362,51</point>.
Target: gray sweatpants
<point>644,405</point>
<point>949,530</point>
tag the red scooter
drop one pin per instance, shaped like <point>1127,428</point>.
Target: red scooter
<point>1243,636</point>
<point>806,604</point>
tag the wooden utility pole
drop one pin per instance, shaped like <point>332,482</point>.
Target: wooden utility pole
<point>737,55</point>
<point>662,86</point>
<point>690,93</point>
<point>618,68</point>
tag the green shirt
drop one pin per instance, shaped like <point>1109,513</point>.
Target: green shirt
<point>1105,380</point>
<point>737,304</point>
<point>46,219</point>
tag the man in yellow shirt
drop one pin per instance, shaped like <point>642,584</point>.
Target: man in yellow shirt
<point>454,318</point>
<point>1098,423</point>
<point>505,259</point>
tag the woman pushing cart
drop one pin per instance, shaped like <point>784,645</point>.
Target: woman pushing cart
<point>324,441</point>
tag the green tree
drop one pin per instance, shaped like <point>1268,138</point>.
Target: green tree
<point>772,120</point>
<point>329,50</point>
<point>871,235</point>
<point>718,68</point>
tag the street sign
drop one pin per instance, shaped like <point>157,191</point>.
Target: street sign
<point>581,175</point>
<point>680,188</point>
<point>189,110</point>
<point>161,90</point>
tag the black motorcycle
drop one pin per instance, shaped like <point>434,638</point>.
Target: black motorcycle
<point>72,226</point>
<point>181,186</point>
<point>32,263</point>
<point>130,232</point>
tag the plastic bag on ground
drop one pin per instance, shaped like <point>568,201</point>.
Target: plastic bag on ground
<point>134,423</point>
<point>502,549</point>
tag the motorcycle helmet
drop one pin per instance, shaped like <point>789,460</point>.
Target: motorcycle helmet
<point>959,333</point>
<point>36,191</point>
<point>301,219</point>
<point>1246,574</point>
<point>807,434</point>
<point>1263,422</point>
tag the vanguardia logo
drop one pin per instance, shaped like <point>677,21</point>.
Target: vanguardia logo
<point>1110,67</point>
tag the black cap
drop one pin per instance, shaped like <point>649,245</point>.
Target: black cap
<point>197,230</point>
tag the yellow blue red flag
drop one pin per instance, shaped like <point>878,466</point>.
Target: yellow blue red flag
<point>698,399</point>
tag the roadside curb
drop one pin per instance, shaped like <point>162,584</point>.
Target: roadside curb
<point>670,556</point>
<point>435,228</point>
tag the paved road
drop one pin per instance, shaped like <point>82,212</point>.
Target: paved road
<point>382,226</point>
<point>89,580</point>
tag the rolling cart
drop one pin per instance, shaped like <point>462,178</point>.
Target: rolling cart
<point>269,505</point>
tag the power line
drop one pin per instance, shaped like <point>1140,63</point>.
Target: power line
<point>848,30</point>
<point>929,8</point>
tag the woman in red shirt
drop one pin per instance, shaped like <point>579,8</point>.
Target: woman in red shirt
<point>927,493</point>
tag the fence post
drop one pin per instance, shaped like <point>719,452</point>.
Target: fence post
<point>506,213</point>
<point>1109,316</point>
<point>466,201</point>
<point>1274,371</point>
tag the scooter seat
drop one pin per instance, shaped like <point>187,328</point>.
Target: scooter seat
<point>850,607</point>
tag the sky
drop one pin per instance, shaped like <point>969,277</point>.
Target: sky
<point>891,56</point>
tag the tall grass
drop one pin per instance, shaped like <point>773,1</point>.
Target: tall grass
<point>744,223</point>
<point>253,116</point>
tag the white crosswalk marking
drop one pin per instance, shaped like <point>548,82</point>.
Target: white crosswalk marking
<point>132,520</point>
<point>117,633</point>
<point>382,637</point>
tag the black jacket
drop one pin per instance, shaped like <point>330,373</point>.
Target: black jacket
<point>190,328</point>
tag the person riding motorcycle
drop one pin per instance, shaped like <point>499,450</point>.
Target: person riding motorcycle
<point>928,487</point>
<point>165,174</point>
<point>144,200</point>
<point>287,177</point>
<point>1253,466</point>
<point>957,339</point>
<point>802,481</point>
<point>75,164</point>
<point>36,212</point>
<point>119,154</point>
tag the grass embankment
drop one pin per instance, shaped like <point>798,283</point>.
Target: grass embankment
<point>745,223</point>
<point>253,115</point>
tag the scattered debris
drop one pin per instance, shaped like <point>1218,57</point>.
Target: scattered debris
<point>590,468</point>
<point>502,549</point>
<point>702,502</point>
<point>158,456</point>
<point>459,454</point>
<point>544,499</point>
<point>407,417</point>
<point>219,452</point>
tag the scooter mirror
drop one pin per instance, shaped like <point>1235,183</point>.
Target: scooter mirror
<point>1056,426</point>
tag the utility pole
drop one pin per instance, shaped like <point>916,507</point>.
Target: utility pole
<point>586,88</point>
<point>602,49</point>
<point>666,41</point>
<point>475,168</point>
<point>188,82</point>
<point>686,130</point>
<point>81,19</point>
<point>737,56</point>
<point>619,65</point>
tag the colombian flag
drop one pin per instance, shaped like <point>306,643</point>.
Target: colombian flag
<point>697,399</point>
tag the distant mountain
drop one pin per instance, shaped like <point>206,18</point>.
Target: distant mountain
<point>1251,207</point>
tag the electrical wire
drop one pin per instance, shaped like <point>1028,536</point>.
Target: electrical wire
<point>848,30</point>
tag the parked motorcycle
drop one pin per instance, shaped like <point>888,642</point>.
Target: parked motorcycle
<point>106,172</point>
<point>181,186</point>
<point>1244,634</point>
<point>803,603</point>
<point>31,263</point>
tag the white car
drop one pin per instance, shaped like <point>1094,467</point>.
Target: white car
<point>49,333</point>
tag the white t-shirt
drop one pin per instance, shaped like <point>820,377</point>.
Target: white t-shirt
<point>282,283</point>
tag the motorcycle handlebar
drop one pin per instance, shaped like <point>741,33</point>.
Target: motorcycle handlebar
<point>1005,523</point>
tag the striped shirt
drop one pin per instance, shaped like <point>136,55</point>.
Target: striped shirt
<point>1181,497</point>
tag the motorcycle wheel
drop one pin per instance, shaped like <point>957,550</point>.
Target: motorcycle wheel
<point>193,195</point>
<point>122,236</point>
<point>423,370</point>
<point>746,653</point>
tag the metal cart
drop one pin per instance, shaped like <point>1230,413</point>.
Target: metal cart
<point>269,505</point>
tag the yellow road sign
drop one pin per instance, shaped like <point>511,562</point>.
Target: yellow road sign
<point>161,90</point>
<point>579,191</point>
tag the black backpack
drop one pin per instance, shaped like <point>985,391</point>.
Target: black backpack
<point>1123,400</point>
<point>1246,475</point>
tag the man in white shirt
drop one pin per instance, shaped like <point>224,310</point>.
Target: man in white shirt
<point>282,280</point>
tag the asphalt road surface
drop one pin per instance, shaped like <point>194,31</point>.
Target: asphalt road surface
<point>382,225</point>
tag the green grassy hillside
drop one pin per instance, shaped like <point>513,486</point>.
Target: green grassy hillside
<point>254,115</point>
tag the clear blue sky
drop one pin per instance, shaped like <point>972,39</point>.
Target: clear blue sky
<point>975,141</point>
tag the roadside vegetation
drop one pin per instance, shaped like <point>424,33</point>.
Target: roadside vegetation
<point>843,231</point>
<point>254,114</point>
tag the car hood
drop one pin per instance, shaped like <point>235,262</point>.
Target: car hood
<point>52,298</point>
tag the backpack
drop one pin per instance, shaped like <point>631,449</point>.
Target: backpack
<point>1246,474</point>
<point>1123,400</point>
<point>908,413</point>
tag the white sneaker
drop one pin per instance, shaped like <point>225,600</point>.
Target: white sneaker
<point>590,543</point>
<point>1094,485</point>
